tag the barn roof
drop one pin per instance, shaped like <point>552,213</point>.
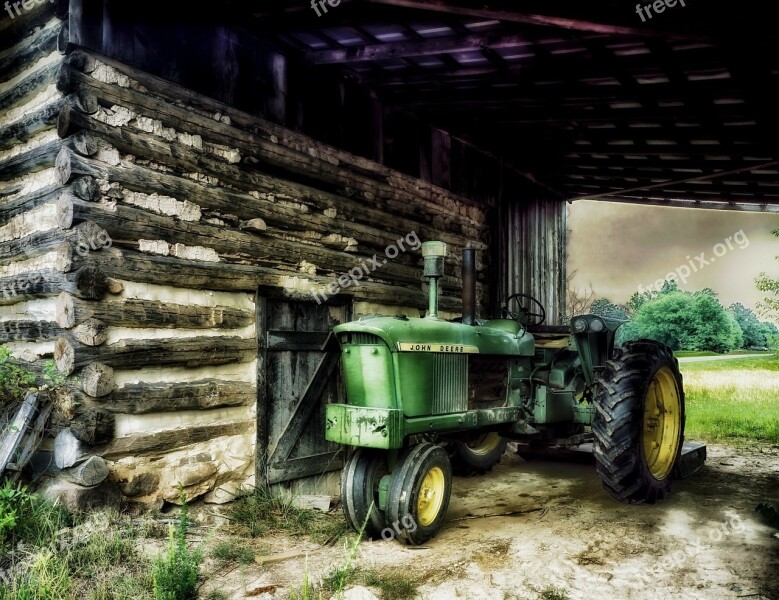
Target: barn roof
<point>589,98</point>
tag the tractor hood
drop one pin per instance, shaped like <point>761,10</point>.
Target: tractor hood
<point>401,334</point>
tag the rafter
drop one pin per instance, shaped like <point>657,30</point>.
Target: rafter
<point>513,16</point>
<point>415,48</point>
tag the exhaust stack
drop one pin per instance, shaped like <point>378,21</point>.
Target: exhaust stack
<point>469,286</point>
<point>434,254</point>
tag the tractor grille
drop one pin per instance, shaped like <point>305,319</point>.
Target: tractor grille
<point>450,384</point>
<point>359,338</point>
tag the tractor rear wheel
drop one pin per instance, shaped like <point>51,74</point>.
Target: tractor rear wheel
<point>639,423</point>
<point>360,479</point>
<point>477,456</point>
<point>419,493</point>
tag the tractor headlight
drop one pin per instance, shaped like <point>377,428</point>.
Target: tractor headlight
<point>579,325</point>
<point>597,325</point>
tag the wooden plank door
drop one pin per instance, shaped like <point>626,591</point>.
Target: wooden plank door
<point>296,380</point>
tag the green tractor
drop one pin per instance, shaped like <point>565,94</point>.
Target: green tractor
<point>427,398</point>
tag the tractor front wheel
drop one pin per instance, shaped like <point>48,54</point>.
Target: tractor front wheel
<point>639,423</point>
<point>477,456</point>
<point>419,493</point>
<point>360,479</point>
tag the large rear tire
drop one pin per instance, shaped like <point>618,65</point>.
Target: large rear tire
<point>639,423</point>
<point>360,479</point>
<point>419,493</point>
<point>477,456</point>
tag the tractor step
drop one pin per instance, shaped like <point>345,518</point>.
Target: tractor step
<point>690,462</point>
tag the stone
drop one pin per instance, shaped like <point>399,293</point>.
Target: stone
<point>357,593</point>
<point>76,498</point>
<point>143,484</point>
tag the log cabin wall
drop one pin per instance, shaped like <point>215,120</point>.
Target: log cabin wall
<point>145,218</point>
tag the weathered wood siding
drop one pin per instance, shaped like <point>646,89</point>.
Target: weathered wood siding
<point>533,254</point>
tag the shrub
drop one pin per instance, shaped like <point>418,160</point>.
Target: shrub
<point>175,575</point>
<point>14,381</point>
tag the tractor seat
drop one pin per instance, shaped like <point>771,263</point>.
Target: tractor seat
<point>558,329</point>
<point>551,336</point>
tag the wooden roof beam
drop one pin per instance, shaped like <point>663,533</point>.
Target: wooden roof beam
<point>513,16</point>
<point>414,48</point>
<point>667,184</point>
<point>724,203</point>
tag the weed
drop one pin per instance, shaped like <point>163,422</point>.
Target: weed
<point>107,545</point>
<point>176,574</point>
<point>14,381</point>
<point>553,593</point>
<point>262,512</point>
<point>27,518</point>
<point>233,551</point>
<point>43,576</point>
<point>392,584</point>
<point>337,580</point>
<point>307,590</point>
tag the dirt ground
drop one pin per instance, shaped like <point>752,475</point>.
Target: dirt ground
<point>704,541</point>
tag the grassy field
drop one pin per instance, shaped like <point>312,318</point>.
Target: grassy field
<point>733,400</point>
<point>682,354</point>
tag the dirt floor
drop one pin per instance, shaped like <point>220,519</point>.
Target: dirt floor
<point>564,532</point>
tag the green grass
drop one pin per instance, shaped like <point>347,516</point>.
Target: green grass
<point>683,354</point>
<point>95,559</point>
<point>233,550</point>
<point>261,513</point>
<point>734,400</point>
<point>553,593</point>
<point>769,362</point>
<point>392,584</point>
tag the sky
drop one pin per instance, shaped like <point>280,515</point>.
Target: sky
<point>615,248</point>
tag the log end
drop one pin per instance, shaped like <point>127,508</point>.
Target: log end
<point>65,210</point>
<point>64,356</point>
<point>63,39</point>
<point>85,143</point>
<point>91,283</point>
<point>66,315</point>
<point>63,166</point>
<point>86,188</point>
<point>64,79</point>
<point>91,332</point>
<point>97,380</point>
<point>68,449</point>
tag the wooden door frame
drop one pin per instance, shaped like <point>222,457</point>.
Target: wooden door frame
<point>263,294</point>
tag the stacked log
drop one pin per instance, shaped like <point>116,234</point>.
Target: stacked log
<point>138,221</point>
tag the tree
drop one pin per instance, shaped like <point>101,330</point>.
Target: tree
<point>577,302</point>
<point>755,333</point>
<point>685,321</point>
<point>638,299</point>
<point>606,308</point>
<point>770,305</point>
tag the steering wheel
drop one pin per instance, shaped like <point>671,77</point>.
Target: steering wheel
<point>524,309</point>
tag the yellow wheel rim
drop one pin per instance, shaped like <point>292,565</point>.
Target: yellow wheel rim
<point>662,424</point>
<point>484,444</point>
<point>431,496</point>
